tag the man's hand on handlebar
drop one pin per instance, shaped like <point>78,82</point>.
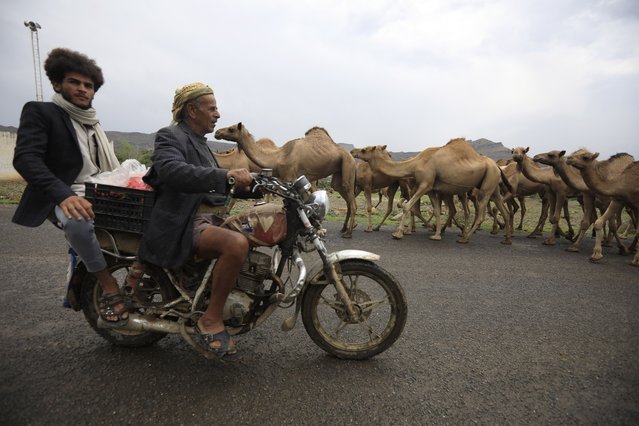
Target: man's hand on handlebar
<point>240,179</point>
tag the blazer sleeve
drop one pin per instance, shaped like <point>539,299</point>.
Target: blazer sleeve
<point>31,153</point>
<point>173,168</point>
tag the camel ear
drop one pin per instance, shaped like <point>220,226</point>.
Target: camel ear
<point>239,126</point>
<point>384,147</point>
<point>527,148</point>
<point>595,155</point>
<point>561,154</point>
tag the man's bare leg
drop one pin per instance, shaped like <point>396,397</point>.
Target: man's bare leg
<point>231,249</point>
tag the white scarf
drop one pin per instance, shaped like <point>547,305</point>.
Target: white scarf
<point>88,117</point>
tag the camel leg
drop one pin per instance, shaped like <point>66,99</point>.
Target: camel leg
<point>496,224</point>
<point>480,215</point>
<point>452,213</point>
<point>555,213</point>
<point>344,184</point>
<point>435,199</point>
<point>392,190</point>
<point>586,221</point>
<point>543,215</point>
<point>522,205</point>
<point>463,199</point>
<point>597,253</point>
<point>410,229</point>
<point>369,209</point>
<point>571,232</point>
<point>501,207</point>
<point>380,199</point>
<point>417,211</point>
<point>613,224</point>
<point>406,208</point>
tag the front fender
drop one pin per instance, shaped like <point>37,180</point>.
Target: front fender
<point>316,271</point>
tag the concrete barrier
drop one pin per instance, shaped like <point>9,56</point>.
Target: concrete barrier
<point>7,146</point>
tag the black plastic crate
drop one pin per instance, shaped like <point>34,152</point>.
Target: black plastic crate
<point>119,208</point>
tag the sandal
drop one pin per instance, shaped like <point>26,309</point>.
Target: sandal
<point>224,352</point>
<point>107,304</point>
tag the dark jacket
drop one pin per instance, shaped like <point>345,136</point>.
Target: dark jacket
<point>48,157</point>
<point>183,171</point>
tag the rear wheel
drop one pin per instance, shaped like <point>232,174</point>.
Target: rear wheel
<point>154,288</point>
<point>380,312</point>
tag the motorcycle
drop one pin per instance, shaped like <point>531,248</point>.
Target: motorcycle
<point>351,307</point>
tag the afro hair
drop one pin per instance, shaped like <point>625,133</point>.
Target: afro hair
<point>61,61</point>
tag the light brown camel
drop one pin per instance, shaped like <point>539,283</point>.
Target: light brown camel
<point>235,158</point>
<point>407,187</point>
<point>558,191</point>
<point>623,189</point>
<point>315,156</point>
<point>369,181</point>
<point>523,187</point>
<point>591,200</point>
<point>455,168</point>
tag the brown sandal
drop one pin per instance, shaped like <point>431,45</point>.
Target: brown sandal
<point>107,304</point>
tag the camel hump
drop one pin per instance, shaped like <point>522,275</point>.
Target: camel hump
<point>462,148</point>
<point>317,132</point>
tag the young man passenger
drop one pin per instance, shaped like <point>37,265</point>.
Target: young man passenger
<point>60,144</point>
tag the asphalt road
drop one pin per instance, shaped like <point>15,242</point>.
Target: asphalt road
<point>521,334</point>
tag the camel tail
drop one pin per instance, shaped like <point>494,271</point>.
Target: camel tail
<point>506,183</point>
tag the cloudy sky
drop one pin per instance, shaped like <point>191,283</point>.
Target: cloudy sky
<point>549,74</point>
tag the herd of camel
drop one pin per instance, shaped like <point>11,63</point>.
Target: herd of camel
<point>455,169</point>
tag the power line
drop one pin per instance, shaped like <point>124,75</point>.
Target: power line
<point>35,46</point>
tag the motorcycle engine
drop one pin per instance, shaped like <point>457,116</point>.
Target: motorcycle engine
<point>255,270</point>
<point>239,304</point>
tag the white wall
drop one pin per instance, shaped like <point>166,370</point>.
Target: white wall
<point>7,145</point>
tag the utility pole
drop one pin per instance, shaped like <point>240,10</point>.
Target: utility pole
<point>35,46</point>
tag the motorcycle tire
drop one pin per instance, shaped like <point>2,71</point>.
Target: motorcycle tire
<point>157,287</point>
<point>380,306</point>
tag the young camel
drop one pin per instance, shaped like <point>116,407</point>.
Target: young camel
<point>455,168</point>
<point>315,156</point>
<point>523,187</point>
<point>367,180</point>
<point>591,200</point>
<point>622,188</point>
<point>236,159</point>
<point>558,191</point>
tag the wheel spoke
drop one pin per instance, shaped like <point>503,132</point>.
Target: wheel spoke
<point>341,326</point>
<point>335,304</point>
<point>369,328</point>
<point>370,305</point>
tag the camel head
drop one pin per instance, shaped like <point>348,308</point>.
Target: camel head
<point>581,158</point>
<point>369,152</point>
<point>232,133</point>
<point>549,158</point>
<point>519,153</point>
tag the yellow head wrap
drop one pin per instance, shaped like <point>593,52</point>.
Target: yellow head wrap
<point>185,94</point>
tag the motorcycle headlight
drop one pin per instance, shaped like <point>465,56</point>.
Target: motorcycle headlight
<point>319,204</point>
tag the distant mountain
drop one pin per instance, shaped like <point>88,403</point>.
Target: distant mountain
<point>9,129</point>
<point>144,141</point>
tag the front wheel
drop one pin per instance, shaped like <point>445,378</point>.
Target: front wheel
<point>380,312</point>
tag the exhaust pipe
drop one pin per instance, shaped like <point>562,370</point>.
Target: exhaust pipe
<point>139,322</point>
